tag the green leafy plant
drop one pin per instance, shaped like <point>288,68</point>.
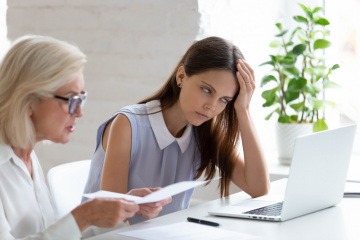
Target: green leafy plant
<point>299,75</point>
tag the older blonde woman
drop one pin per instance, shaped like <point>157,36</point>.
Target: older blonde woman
<point>41,96</point>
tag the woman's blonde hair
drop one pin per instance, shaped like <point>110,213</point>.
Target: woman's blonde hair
<point>34,67</point>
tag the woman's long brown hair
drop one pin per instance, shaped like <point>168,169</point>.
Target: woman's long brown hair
<point>217,138</point>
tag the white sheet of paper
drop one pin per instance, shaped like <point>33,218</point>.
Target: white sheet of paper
<point>353,187</point>
<point>186,230</point>
<point>161,194</point>
<point>107,194</point>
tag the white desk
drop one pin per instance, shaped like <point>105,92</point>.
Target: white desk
<point>339,223</point>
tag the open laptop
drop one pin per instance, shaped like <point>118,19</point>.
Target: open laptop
<point>316,179</point>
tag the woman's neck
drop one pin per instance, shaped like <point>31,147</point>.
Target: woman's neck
<point>174,120</point>
<point>25,156</point>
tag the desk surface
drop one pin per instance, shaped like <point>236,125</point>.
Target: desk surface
<point>339,222</point>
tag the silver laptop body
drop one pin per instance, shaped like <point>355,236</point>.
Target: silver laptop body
<point>316,179</point>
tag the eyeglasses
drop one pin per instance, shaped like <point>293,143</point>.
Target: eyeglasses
<point>75,102</point>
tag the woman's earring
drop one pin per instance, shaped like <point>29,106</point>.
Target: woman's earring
<point>179,85</point>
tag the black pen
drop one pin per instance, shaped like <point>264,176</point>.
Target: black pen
<point>195,220</point>
<point>352,194</point>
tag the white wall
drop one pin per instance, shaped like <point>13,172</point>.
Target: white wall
<point>132,47</point>
<point>3,41</point>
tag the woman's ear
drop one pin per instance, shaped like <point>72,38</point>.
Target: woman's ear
<point>180,75</point>
<point>30,110</point>
<point>32,106</point>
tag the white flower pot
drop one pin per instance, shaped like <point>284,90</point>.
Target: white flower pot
<point>286,134</point>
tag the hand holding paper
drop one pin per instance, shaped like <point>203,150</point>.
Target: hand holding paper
<point>161,194</point>
<point>149,210</point>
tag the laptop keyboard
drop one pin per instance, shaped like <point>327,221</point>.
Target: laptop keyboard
<point>270,210</point>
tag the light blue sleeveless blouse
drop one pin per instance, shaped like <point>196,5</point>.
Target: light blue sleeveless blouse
<point>157,158</point>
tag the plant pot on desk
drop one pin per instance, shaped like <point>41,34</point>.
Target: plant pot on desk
<point>298,78</point>
<point>286,134</point>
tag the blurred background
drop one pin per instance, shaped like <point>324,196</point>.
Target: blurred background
<point>132,47</point>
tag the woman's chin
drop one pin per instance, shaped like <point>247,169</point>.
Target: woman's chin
<point>197,122</point>
<point>62,140</point>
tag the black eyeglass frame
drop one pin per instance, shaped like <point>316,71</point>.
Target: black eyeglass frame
<point>75,101</point>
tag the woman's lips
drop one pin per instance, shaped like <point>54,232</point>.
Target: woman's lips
<point>202,116</point>
<point>71,128</point>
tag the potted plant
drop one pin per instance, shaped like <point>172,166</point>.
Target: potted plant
<point>299,76</point>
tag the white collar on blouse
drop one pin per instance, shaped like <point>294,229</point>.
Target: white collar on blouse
<point>7,154</point>
<point>162,134</point>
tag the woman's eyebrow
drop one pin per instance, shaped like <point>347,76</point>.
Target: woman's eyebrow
<point>213,89</point>
<point>71,92</point>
